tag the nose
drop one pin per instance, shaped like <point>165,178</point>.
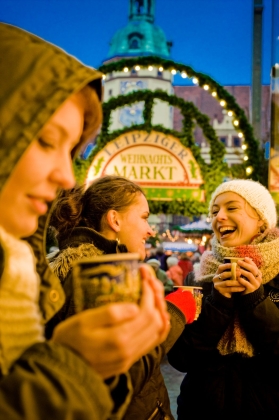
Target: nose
<point>150,231</point>
<point>221,215</point>
<point>63,173</point>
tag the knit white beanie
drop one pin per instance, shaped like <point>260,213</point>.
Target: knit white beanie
<point>255,194</point>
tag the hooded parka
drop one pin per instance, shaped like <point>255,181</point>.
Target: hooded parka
<point>47,380</point>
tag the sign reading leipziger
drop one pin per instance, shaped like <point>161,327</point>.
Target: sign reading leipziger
<point>159,163</point>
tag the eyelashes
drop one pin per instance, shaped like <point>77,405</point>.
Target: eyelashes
<point>43,143</point>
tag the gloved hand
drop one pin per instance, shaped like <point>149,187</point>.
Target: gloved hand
<point>185,301</point>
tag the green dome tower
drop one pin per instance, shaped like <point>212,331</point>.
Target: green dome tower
<point>140,37</point>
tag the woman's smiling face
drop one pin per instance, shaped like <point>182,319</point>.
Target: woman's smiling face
<point>234,221</point>
<point>45,166</point>
<point>134,229</point>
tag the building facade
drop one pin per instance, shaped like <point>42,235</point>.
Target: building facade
<point>141,37</point>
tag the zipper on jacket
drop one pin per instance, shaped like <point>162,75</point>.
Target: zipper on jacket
<point>157,410</point>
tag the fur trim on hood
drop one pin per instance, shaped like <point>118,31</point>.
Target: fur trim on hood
<point>62,262</point>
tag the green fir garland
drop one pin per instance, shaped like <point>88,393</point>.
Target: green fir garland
<point>253,145</point>
<point>214,173</point>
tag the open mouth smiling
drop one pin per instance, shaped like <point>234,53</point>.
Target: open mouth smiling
<point>226,230</point>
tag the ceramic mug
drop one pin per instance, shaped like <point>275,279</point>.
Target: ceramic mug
<point>197,293</point>
<point>233,262</point>
<point>105,279</point>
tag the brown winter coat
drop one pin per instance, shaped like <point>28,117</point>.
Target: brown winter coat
<point>150,397</point>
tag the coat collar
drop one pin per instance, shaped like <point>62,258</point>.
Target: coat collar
<point>73,238</point>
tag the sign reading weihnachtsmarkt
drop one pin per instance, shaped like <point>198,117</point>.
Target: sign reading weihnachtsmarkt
<point>159,163</point>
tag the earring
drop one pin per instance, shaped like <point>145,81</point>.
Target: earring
<point>120,247</point>
<point>117,245</point>
<point>261,230</point>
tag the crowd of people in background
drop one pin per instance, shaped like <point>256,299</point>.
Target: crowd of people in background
<point>172,267</point>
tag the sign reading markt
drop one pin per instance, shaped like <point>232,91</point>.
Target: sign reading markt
<point>159,163</point>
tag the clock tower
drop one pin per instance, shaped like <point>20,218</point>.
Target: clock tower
<point>144,8</point>
<point>140,37</point>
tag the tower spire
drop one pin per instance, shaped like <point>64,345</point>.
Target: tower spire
<point>142,10</point>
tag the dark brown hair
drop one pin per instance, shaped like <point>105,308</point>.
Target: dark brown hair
<point>83,206</point>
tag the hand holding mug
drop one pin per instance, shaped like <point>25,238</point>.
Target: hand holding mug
<point>113,336</point>
<point>226,279</point>
<point>250,275</point>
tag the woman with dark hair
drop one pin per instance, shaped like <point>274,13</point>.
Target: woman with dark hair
<point>111,213</point>
<point>111,216</point>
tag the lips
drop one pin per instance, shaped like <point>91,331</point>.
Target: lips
<point>226,230</point>
<point>39,205</point>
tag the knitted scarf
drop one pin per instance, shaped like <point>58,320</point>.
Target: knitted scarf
<point>263,250</point>
<point>21,322</point>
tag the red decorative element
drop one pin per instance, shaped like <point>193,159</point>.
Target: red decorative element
<point>185,302</point>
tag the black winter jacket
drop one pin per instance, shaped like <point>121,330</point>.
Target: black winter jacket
<point>231,386</point>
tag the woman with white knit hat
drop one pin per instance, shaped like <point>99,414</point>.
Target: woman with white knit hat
<point>231,353</point>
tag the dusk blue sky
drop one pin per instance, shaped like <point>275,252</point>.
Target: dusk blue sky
<point>212,36</point>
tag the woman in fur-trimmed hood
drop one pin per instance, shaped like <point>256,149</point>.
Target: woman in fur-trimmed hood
<point>231,353</point>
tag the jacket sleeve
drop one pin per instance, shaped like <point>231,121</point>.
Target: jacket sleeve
<point>260,318</point>
<point>167,282</point>
<point>199,340</point>
<point>49,381</point>
<point>144,368</point>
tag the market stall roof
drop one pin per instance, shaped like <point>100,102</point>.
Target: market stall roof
<point>195,227</point>
<point>179,246</point>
